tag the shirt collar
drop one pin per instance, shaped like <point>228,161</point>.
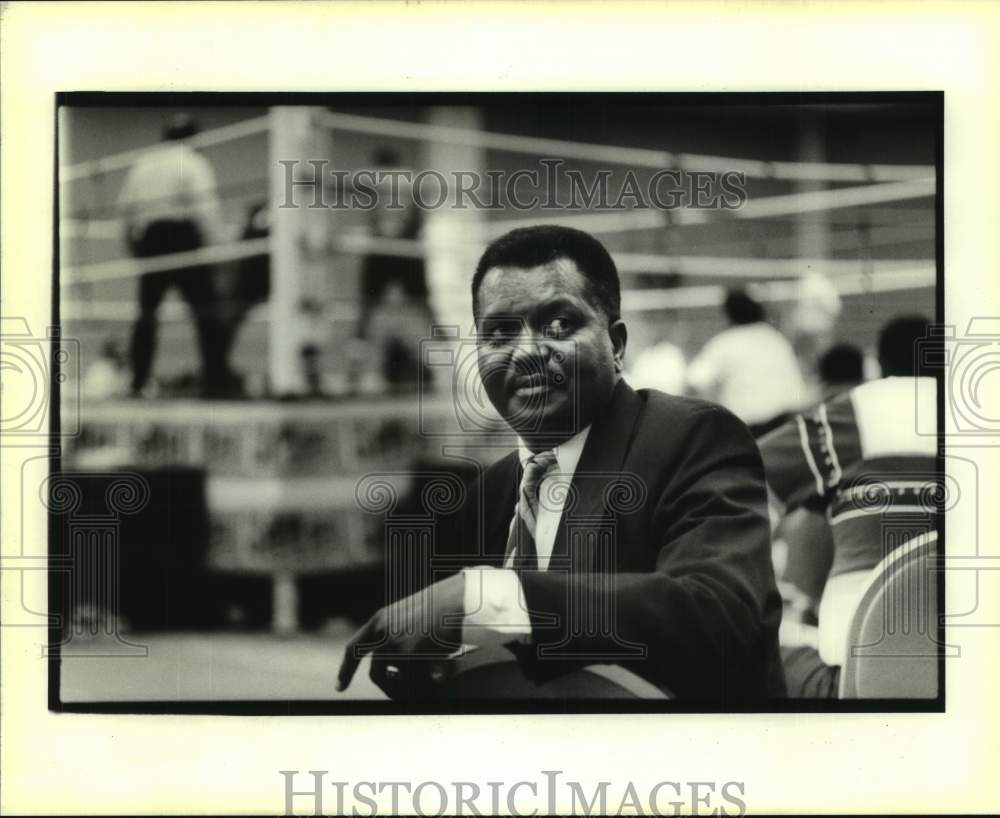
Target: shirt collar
<point>567,454</point>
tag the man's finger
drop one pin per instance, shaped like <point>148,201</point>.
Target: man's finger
<point>361,643</point>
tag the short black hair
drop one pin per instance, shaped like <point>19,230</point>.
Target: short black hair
<point>180,126</point>
<point>898,352</point>
<point>527,247</point>
<point>740,308</point>
<point>842,364</point>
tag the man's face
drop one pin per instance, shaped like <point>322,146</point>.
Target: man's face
<point>547,357</point>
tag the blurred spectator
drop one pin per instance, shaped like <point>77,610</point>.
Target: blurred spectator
<point>803,536</point>
<point>660,366</point>
<point>749,368</point>
<point>313,333</point>
<point>107,377</point>
<point>813,318</point>
<point>859,459</point>
<point>169,204</point>
<point>840,367</point>
<point>395,307</point>
<point>242,285</point>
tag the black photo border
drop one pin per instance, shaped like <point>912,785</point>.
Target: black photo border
<point>338,706</point>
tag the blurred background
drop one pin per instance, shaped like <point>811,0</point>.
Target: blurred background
<point>273,384</point>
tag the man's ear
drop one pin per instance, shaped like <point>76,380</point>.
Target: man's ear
<point>619,338</point>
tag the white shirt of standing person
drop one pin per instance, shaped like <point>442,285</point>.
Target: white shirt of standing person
<point>661,366</point>
<point>494,600</point>
<point>750,369</point>
<point>171,182</point>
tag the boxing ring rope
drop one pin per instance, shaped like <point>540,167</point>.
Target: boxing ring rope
<point>132,268</point>
<point>890,279</point>
<point>600,222</point>
<point>698,297</point>
<point>611,154</point>
<point>603,223</point>
<point>768,207</point>
<point>696,266</point>
<point>618,155</point>
<point>122,160</point>
<point>892,183</point>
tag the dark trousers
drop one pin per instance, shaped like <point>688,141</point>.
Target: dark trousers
<point>197,289</point>
<point>806,675</point>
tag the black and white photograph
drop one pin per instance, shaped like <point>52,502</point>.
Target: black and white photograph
<point>540,402</point>
<point>556,408</point>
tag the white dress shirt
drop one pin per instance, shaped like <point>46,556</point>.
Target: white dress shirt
<point>494,599</point>
<point>171,182</point>
<point>751,370</point>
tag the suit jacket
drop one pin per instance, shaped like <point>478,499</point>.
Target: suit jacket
<point>662,558</point>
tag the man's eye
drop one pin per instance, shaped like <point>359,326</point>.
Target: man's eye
<point>558,327</point>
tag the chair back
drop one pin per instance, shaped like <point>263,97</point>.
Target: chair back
<point>892,650</point>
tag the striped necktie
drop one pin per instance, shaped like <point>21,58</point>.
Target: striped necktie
<point>521,539</point>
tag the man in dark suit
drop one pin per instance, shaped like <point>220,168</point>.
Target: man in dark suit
<point>629,529</point>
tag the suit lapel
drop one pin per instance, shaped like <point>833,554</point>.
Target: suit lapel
<point>602,460</point>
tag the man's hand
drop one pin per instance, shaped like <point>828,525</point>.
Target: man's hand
<point>409,639</point>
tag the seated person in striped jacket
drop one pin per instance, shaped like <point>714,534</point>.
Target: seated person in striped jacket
<point>858,458</point>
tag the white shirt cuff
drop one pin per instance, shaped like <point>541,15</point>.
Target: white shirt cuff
<point>494,604</point>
